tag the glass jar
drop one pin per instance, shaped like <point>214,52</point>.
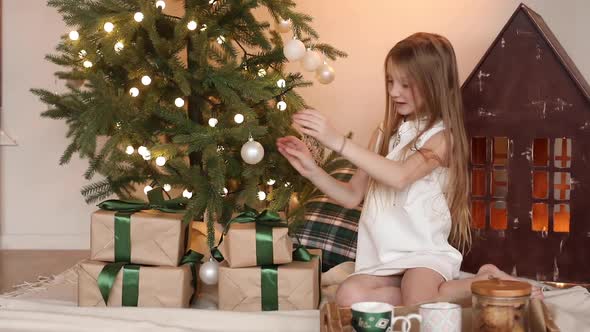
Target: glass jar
<point>500,305</point>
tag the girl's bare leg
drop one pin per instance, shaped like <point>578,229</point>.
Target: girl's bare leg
<point>364,287</point>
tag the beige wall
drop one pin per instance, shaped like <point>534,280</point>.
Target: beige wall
<point>40,204</point>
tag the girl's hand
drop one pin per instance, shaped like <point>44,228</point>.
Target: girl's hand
<point>315,124</point>
<point>298,156</point>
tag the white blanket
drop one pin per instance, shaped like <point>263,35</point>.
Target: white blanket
<point>51,306</point>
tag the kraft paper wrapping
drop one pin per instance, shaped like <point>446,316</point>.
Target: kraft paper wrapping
<point>158,286</point>
<point>239,245</point>
<point>157,238</point>
<point>298,286</point>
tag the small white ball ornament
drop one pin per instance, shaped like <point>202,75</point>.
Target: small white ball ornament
<point>209,272</point>
<point>252,152</point>
<point>311,61</point>
<point>294,50</point>
<point>325,74</point>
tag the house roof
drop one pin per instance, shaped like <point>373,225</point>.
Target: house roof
<point>554,44</point>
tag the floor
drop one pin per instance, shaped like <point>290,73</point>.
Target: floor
<point>17,266</point>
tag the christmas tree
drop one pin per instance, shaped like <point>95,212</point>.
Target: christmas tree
<point>206,126</point>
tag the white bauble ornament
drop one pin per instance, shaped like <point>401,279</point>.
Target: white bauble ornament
<point>325,74</point>
<point>252,152</point>
<point>209,272</point>
<point>294,50</point>
<point>284,26</point>
<point>311,61</point>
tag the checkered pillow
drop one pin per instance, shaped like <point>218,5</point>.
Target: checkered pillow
<point>331,227</point>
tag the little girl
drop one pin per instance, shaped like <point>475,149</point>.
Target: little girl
<point>415,216</point>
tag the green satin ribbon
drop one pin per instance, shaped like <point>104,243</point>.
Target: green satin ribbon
<point>264,223</point>
<point>269,287</point>
<point>125,208</point>
<point>130,291</point>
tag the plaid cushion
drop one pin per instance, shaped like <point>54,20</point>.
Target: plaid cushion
<point>331,227</point>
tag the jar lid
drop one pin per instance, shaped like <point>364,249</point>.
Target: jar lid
<point>501,288</point>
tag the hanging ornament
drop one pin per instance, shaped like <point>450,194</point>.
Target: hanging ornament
<point>325,74</point>
<point>294,50</point>
<point>311,61</point>
<point>284,26</point>
<point>161,161</point>
<point>252,152</point>
<point>209,272</point>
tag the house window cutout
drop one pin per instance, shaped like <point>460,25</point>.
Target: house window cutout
<point>499,183</point>
<point>563,152</point>
<point>540,185</point>
<point>500,151</point>
<point>541,152</point>
<point>478,182</point>
<point>562,184</point>
<point>478,214</point>
<point>561,218</point>
<point>498,215</point>
<point>479,151</point>
<point>540,217</point>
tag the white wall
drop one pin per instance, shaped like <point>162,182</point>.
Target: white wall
<point>40,203</point>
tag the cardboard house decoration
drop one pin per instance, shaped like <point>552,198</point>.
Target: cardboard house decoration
<point>527,112</point>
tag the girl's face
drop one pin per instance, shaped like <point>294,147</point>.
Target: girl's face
<point>406,99</point>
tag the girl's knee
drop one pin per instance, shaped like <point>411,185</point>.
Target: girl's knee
<point>347,294</point>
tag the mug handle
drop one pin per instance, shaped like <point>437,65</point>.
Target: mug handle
<point>406,324</point>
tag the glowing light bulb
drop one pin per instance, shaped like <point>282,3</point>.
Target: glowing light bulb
<point>142,150</point>
<point>220,40</point>
<point>160,4</point>
<point>213,122</point>
<point>287,184</point>
<point>281,83</point>
<point>187,194</point>
<point>262,72</point>
<point>87,64</point>
<point>146,80</point>
<point>261,195</point>
<point>134,92</point>
<point>161,161</point>
<point>239,118</point>
<point>147,189</point>
<point>129,150</point>
<point>109,27</point>
<point>167,187</point>
<point>74,35</point>
<point>204,27</point>
<point>270,182</point>
<point>281,105</point>
<point>192,25</point>
<point>138,17</point>
<point>119,47</point>
<point>147,156</point>
<point>82,54</point>
<point>179,102</point>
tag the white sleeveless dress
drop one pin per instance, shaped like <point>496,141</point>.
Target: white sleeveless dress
<point>409,228</point>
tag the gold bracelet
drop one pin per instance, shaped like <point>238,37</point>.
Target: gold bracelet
<point>342,146</point>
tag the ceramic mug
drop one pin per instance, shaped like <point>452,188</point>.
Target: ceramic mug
<point>377,317</point>
<point>440,317</point>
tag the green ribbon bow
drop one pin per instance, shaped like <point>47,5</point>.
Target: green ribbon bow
<point>130,292</point>
<point>125,208</point>
<point>265,222</point>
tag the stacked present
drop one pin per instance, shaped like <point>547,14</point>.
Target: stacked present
<point>138,256</point>
<point>260,269</point>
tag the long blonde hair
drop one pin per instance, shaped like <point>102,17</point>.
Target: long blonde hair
<point>429,61</point>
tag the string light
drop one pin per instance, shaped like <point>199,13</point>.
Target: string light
<point>129,150</point>
<point>282,105</point>
<point>147,189</point>
<point>146,80</point>
<point>261,195</point>
<point>119,46</point>
<point>87,64</point>
<point>239,118</point>
<point>138,17</point>
<point>134,92</point>
<point>262,72</point>
<point>213,122</point>
<point>82,54</point>
<point>161,161</point>
<point>74,35</point>
<point>147,156</point>
<point>179,102</point>
<point>142,150</point>
<point>109,27</point>
<point>192,25</point>
<point>270,182</point>
<point>211,2</point>
<point>204,27</point>
<point>220,40</point>
<point>225,192</point>
<point>167,187</point>
<point>160,4</point>
<point>187,194</point>
<point>287,184</point>
<point>281,83</point>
